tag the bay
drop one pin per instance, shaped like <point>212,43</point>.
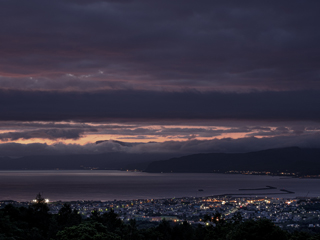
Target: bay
<point>107,185</point>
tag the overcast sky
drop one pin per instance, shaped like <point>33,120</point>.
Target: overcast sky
<point>176,75</point>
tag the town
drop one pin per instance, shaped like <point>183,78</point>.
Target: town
<point>289,214</point>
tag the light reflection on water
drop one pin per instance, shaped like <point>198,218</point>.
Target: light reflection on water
<point>109,185</point>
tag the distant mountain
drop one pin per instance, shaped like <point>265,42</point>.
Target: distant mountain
<point>291,160</point>
<point>124,144</point>
<point>84,161</point>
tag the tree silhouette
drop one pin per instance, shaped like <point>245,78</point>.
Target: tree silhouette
<point>40,204</point>
<point>68,217</point>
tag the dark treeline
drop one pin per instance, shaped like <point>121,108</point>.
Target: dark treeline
<point>36,223</point>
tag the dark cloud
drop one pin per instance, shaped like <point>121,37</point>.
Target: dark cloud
<point>17,149</point>
<point>52,134</point>
<point>164,132</point>
<point>50,130</point>
<point>136,137</point>
<point>159,44</point>
<point>28,130</point>
<point>61,125</point>
<point>183,148</point>
<point>250,67</point>
<point>273,132</point>
<point>135,105</point>
<point>231,145</point>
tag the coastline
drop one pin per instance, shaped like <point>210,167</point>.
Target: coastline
<point>105,185</point>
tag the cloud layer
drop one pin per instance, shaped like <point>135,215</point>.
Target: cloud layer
<point>139,70</point>
<point>131,105</point>
<point>159,45</point>
<point>45,134</point>
<point>174,147</point>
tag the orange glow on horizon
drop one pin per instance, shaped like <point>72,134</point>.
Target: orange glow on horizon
<point>116,131</point>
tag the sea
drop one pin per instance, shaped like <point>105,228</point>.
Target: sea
<point>105,185</point>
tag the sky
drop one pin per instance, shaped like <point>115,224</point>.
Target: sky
<point>176,76</point>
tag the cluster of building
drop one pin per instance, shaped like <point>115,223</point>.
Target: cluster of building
<point>261,173</point>
<point>286,213</point>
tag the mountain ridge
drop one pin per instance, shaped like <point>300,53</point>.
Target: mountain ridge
<point>300,161</point>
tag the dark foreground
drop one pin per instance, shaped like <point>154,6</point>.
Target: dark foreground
<point>36,223</point>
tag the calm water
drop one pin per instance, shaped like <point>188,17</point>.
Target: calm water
<point>110,185</point>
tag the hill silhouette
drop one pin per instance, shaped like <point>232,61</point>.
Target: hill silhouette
<point>110,161</point>
<point>290,160</point>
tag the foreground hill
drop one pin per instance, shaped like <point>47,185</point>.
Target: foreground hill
<point>291,160</point>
